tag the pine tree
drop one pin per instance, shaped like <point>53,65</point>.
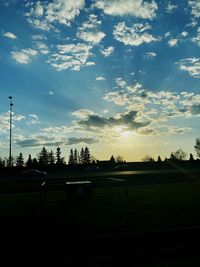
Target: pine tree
<point>51,158</point>
<point>43,157</point>
<point>20,160</point>
<point>112,159</point>
<point>71,157</point>
<point>82,156</point>
<point>86,156</point>
<point>29,161</point>
<point>159,159</point>
<point>58,155</point>
<point>34,163</point>
<point>75,156</point>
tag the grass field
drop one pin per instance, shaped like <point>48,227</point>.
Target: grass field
<point>69,231</point>
<point>142,208</point>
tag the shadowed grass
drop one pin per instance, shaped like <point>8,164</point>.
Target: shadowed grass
<point>145,208</point>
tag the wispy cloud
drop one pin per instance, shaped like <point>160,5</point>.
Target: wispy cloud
<point>33,119</point>
<point>90,32</point>
<point>77,140</point>
<point>107,51</point>
<point>137,8</point>
<point>150,55</point>
<point>100,78</point>
<point>191,65</point>
<point>71,56</point>
<point>170,7</point>
<point>10,35</point>
<point>135,35</point>
<point>172,42</point>
<point>45,15</point>
<point>195,7</point>
<point>23,56</point>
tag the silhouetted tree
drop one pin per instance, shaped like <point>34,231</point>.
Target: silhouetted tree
<point>20,160</point>
<point>34,163</point>
<point>197,147</point>
<point>86,155</point>
<point>43,157</point>
<point>119,159</point>
<point>75,156</point>
<point>112,159</point>
<point>82,156</point>
<point>59,159</point>
<point>178,155</point>
<point>148,158</point>
<point>2,163</point>
<point>51,158</point>
<point>172,156</point>
<point>159,159</point>
<point>191,157</point>
<point>29,161</point>
<point>71,157</point>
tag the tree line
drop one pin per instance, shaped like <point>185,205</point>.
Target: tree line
<point>83,157</point>
<point>49,158</point>
<point>178,155</point>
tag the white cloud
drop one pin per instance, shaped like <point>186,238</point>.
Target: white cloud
<point>33,119</point>
<point>24,56</point>
<point>5,120</point>
<point>184,34</point>
<point>44,15</point>
<point>170,7</point>
<point>71,56</point>
<point>197,38</point>
<point>91,36</point>
<point>172,42</point>
<point>100,78</point>
<point>137,8</point>
<point>82,113</point>
<point>195,7</point>
<point>167,34</point>
<point>10,35</point>
<point>135,35</point>
<point>42,47</point>
<point>107,51</point>
<point>51,92</point>
<point>89,31</point>
<point>150,54</point>
<point>191,65</point>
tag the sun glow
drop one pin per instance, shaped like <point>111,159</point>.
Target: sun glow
<point>122,131</point>
<point>125,134</point>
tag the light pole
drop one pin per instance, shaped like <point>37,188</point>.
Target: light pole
<point>10,146</point>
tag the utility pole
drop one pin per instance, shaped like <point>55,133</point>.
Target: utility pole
<point>10,145</point>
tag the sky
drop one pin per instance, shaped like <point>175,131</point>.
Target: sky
<point>119,76</point>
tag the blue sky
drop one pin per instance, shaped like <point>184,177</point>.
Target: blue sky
<point>120,76</point>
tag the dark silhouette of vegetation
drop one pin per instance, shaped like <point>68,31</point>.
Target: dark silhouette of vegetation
<point>112,159</point>
<point>159,159</point>
<point>148,158</point>
<point>20,160</point>
<point>191,157</point>
<point>178,155</point>
<point>82,158</point>
<point>197,147</point>
<point>51,159</point>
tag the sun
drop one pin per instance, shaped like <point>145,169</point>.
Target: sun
<point>122,131</point>
<point>125,134</point>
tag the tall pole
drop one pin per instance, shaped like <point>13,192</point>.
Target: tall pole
<point>10,146</point>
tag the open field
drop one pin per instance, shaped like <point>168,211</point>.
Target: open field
<point>160,220</point>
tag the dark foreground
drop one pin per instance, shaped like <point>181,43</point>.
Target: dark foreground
<point>151,220</point>
<point>50,243</point>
